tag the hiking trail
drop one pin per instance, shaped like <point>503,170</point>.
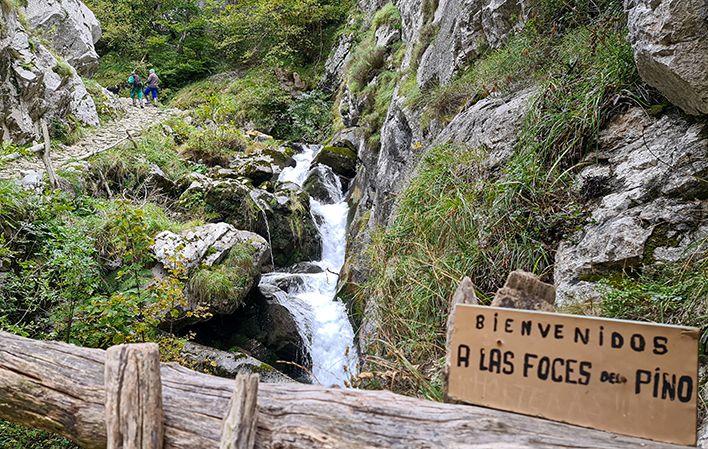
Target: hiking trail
<point>112,133</point>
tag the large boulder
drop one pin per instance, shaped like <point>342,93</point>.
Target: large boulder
<point>323,185</point>
<point>289,224</point>
<point>206,245</point>
<point>670,42</point>
<point>283,218</point>
<point>221,262</point>
<point>280,322</point>
<point>647,198</point>
<point>70,27</point>
<point>341,160</point>
<point>230,363</point>
<point>34,84</point>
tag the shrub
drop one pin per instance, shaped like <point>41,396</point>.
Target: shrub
<point>310,118</point>
<point>127,169</point>
<point>215,146</point>
<point>63,69</point>
<point>103,103</point>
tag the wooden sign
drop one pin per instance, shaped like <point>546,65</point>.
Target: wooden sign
<point>626,377</point>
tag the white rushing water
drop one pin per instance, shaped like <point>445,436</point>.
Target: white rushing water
<point>321,317</point>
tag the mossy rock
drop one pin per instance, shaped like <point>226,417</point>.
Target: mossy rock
<point>341,160</point>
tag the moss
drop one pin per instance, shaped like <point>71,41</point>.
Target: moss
<point>225,283</point>
<point>63,69</point>
<point>13,436</point>
<point>387,15</point>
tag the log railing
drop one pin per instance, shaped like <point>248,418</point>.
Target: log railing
<point>62,388</point>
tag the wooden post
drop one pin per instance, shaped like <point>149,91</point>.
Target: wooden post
<point>46,157</point>
<point>238,430</point>
<point>463,295</point>
<point>132,140</point>
<point>134,415</point>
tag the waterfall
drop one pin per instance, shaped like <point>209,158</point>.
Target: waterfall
<point>322,318</point>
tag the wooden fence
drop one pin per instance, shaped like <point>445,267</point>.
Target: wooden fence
<point>108,398</point>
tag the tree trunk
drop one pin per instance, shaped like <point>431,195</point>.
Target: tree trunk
<point>60,388</point>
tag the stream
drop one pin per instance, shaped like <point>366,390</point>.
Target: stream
<point>320,316</point>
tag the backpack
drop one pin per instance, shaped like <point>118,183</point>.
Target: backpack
<point>134,81</point>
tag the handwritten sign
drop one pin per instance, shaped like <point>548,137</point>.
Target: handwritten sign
<point>622,376</point>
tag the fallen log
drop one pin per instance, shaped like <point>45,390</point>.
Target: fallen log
<point>60,388</point>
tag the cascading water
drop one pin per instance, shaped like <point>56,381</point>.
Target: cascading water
<point>322,318</point>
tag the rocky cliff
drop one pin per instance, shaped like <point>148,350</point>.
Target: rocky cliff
<point>637,172</point>
<point>36,82</point>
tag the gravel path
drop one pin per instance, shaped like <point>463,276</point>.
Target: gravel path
<point>135,120</point>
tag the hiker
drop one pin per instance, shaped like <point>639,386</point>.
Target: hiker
<point>136,88</point>
<point>153,82</point>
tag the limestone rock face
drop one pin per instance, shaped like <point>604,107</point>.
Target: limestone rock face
<point>71,28</point>
<point>647,200</point>
<point>35,85</point>
<point>670,42</point>
<point>336,62</point>
<point>465,28</point>
<point>492,122</point>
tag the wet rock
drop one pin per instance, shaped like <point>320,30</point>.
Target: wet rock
<point>230,363</point>
<point>341,160</point>
<point>351,138</point>
<point>282,218</point>
<point>258,169</point>
<point>292,230</point>
<point>652,210</point>
<point>321,184</point>
<point>206,245</point>
<point>525,291</point>
<point>275,321</point>
<point>305,267</point>
<point>71,28</point>
<point>281,156</point>
<point>670,45</point>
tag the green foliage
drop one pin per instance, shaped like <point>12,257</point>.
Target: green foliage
<point>127,169</point>
<point>186,40</point>
<point>216,146</point>
<point>367,61</point>
<point>13,436</point>
<point>308,118</point>
<point>104,108</point>
<point>67,131</point>
<point>387,15</point>
<point>671,294</point>
<point>459,218</point>
<point>257,99</point>
<point>226,281</point>
<point>63,69</point>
